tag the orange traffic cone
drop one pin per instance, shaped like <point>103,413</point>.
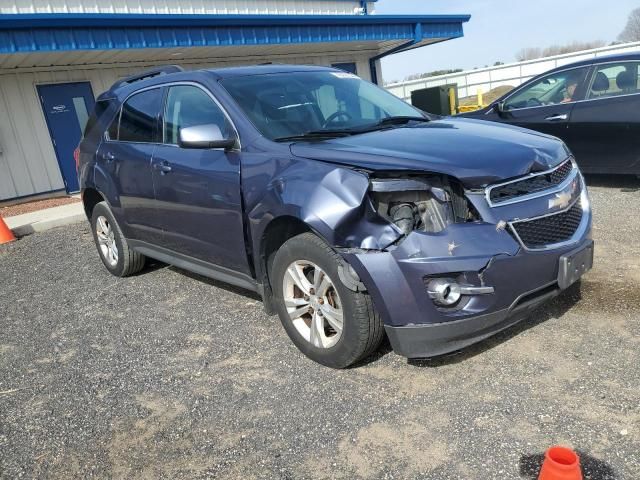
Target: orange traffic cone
<point>6,235</point>
<point>560,463</point>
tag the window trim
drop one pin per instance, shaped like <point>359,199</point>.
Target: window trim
<point>593,67</point>
<point>211,95</point>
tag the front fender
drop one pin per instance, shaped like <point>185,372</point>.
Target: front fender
<point>331,200</point>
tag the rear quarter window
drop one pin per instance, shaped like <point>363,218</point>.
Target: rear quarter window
<point>99,110</point>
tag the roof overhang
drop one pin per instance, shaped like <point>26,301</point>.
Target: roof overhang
<point>39,39</point>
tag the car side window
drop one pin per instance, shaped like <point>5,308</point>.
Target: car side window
<point>552,89</point>
<point>615,79</point>
<point>112,131</point>
<point>189,106</point>
<point>140,117</point>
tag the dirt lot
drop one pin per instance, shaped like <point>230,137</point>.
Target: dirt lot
<point>169,375</point>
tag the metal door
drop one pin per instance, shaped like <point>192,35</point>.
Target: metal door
<point>66,107</point>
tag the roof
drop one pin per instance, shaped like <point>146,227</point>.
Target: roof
<point>169,73</point>
<point>246,70</point>
<point>600,59</point>
<point>25,33</point>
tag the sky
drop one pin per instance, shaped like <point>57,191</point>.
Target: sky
<point>498,29</point>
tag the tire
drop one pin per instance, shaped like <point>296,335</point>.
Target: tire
<point>316,332</point>
<point>108,236</point>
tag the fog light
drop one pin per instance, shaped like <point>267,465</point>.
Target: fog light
<point>444,292</point>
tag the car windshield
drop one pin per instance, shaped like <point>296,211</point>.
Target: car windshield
<point>284,105</point>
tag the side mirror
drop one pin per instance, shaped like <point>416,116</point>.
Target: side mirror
<point>499,108</point>
<point>205,136</point>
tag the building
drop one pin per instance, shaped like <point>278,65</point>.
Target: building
<point>56,57</point>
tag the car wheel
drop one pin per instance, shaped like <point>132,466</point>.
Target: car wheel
<point>113,248</point>
<point>327,321</point>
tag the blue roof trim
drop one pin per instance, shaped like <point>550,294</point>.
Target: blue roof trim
<point>61,32</point>
<point>36,20</point>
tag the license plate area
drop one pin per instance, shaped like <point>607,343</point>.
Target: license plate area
<point>575,264</point>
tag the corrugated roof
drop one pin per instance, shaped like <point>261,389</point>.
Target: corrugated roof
<point>64,32</point>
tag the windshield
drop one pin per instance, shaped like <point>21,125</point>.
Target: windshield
<point>291,104</point>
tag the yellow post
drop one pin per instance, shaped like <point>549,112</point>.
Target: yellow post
<point>480,102</point>
<point>452,101</point>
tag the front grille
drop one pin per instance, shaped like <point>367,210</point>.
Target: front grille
<point>551,229</point>
<point>530,185</point>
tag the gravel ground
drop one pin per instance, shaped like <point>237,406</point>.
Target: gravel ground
<point>169,375</point>
<point>28,207</point>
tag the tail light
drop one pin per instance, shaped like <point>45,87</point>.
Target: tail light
<point>76,157</point>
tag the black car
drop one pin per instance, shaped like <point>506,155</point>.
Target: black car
<point>593,105</point>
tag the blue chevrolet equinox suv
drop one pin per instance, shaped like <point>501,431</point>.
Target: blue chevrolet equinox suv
<point>350,212</point>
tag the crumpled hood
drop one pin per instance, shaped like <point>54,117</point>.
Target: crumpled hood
<point>474,151</point>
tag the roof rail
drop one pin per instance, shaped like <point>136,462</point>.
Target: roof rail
<point>154,72</point>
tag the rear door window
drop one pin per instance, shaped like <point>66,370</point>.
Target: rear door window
<point>139,118</point>
<point>614,79</point>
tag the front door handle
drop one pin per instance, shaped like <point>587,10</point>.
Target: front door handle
<point>162,167</point>
<point>557,118</point>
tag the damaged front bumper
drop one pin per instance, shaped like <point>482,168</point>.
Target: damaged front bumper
<point>476,255</point>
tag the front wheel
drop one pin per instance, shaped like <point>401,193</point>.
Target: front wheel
<point>327,321</point>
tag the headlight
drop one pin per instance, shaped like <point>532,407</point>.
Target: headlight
<point>427,204</point>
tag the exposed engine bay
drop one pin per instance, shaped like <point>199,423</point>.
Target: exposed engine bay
<point>427,204</point>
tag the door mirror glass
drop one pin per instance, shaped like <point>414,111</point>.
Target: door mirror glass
<point>499,107</point>
<point>205,136</point>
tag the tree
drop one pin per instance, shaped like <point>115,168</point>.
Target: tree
<point>528,54</point>
<point>631,32</point>
<point>535,52</point>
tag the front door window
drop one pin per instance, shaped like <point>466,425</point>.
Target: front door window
<point>553,89</point>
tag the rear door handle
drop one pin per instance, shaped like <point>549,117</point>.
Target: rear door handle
<point>162,167</point>
<point>557,118</point>
<point>108,156</point>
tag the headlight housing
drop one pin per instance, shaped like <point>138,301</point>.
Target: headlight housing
<point>423,203</point>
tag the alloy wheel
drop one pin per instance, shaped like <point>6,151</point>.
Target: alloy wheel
<point>313,304</point>
<point>106,241</point>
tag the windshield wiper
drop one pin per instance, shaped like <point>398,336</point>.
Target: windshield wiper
<point>315,134</point>
<point>400,119</point>
<point>345,132</point>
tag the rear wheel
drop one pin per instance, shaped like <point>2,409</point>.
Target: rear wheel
<point>327,321</point>
<point>112,246</point>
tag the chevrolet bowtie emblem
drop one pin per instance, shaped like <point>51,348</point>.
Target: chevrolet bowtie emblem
<point>561,201</point>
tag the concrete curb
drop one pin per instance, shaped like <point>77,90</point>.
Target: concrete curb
<point>28,229</point>
<point>46,219</point>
